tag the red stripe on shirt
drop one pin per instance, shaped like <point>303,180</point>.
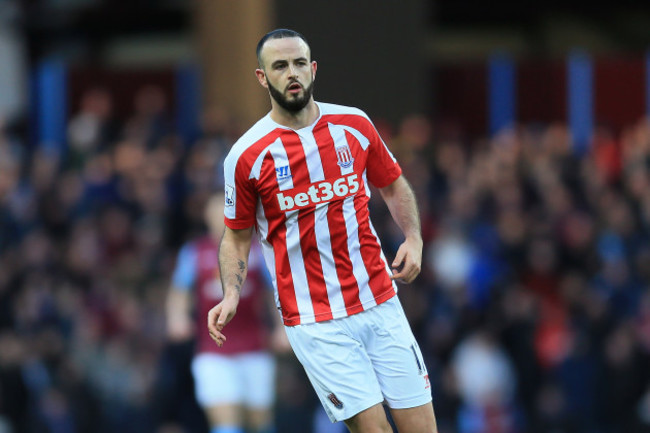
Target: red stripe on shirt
<point>379,280</point>
<point>336,222</point>
<point>306,224</point>
<point>277,236</point>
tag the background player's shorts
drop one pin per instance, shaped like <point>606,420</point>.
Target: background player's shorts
<point>246,379</point>
<point>358,361</point>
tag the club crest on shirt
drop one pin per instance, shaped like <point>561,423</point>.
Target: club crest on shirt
<point>230,195</point>
<point>282,172</point>
<point>335,401</point>
<point>344,156</point>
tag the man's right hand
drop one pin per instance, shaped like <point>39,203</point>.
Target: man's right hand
<point>219,316</point>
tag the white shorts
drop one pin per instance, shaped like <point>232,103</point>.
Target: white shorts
<point>247,379</point>
<point>359,361</point>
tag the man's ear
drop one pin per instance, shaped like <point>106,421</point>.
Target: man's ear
<point>314,66</point>
<point>261,77</point>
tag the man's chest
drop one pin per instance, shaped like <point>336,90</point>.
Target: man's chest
<point>310,169</point>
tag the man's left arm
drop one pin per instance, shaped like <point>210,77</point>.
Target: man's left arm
<point>400,199</point>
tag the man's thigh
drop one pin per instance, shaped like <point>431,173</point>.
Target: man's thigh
<point>396,356</point>
<point>359,361</point>
<point>338,368</point>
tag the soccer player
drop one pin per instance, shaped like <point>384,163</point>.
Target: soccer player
<point>300,176</point>
<point>234,384</point>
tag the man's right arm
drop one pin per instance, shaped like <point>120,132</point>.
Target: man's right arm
<point>233,264</point>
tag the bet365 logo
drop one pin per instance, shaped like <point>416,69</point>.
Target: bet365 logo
<point>318,192</point>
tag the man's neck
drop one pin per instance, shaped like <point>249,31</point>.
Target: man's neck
<point>297,120</point>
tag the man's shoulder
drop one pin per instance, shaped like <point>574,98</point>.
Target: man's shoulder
<point>254,135</point>
<point>337,109</point>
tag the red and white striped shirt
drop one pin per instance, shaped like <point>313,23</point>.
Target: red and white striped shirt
<point>306,192</point>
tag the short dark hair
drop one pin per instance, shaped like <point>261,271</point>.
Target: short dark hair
<point>277,34</point>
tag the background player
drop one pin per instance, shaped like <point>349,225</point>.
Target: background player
<point>233,384</point>
<point>299,177</point>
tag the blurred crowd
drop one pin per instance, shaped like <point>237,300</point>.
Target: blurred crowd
<point>533,308</point>
<point>534,305</point>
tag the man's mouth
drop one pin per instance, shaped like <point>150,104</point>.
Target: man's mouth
<point>294,88</point>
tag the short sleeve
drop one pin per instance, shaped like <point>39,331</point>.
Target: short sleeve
<point>184,274</point>
<point>240,193</point>
<point>382,168</point>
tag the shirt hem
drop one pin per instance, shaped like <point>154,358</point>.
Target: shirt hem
<point>236,225</point>
<point>350,311</point>
<point>392,177</point>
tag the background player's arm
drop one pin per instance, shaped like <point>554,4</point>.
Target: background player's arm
<point>400,199</point>
<point>233,263</point>
<point>179,302</point>
<point>179,321</point>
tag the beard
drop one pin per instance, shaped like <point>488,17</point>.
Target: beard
<point>292,104</point>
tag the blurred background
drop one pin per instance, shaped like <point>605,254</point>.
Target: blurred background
<point>523,128</point>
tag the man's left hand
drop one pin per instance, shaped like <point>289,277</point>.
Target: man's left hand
<point>408,261</point>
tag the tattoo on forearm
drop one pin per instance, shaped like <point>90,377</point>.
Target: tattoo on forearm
<point>240,279</point>
<point>233,271</point>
